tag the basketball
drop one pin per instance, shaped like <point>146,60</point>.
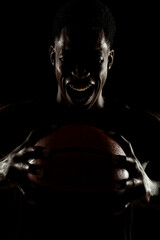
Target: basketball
<point>79,160</point>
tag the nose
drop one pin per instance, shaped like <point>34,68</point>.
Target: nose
<point>80,72</point>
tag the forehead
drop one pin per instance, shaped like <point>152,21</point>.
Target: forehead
<point>82,39</point>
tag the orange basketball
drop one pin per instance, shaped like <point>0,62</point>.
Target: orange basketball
<point>80,159</point>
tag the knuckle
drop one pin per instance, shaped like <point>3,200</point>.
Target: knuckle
<point>24,167</point>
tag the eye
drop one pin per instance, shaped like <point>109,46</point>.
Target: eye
<point>65,56</point>
<point>101,59</point>
<point>61,59</point>
<point>97,57</point>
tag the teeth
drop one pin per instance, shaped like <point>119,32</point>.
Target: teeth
<point>80,89</point>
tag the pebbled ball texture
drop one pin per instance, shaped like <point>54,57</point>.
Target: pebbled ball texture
<point>80,159</point>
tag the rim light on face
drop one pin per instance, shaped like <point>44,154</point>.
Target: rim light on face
<point>75,86</point>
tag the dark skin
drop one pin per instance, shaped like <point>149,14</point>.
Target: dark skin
<point>81,63</point>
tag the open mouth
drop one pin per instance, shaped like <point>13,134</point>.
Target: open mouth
<point>80,91</point>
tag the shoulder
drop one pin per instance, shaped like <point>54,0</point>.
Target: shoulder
<point>138,125</point>
<point>18,119</point>
<point>131,115</point>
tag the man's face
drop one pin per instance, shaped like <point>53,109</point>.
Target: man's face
<point>81,62</point>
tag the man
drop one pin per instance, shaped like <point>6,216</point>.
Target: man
<point>81,55</point>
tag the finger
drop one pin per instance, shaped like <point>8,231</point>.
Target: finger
<point>133,182</point>
<point>19,171</point>
<point>31,152</point>
<point>21,167</point>
<point>127,196</point>
<point>35,135</point>
<point>36,170</point>
<point>123,162</point>
<point>38,133</point>
<point>144,165</point>
<point>128,163</point>
<point>135,191</point>
<point>125,144</point>
<point>27,168</point>
<point>127,184</point>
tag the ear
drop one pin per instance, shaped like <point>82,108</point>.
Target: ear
<point>110,59</point>
<point>52,54</point>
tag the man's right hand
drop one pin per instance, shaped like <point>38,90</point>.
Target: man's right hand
<point>16,165</point>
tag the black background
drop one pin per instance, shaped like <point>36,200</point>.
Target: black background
<point>25,40</point>
<point>26,71</point>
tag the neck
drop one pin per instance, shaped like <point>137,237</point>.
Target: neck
<point>59,97</point>
<point>100,101</point>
